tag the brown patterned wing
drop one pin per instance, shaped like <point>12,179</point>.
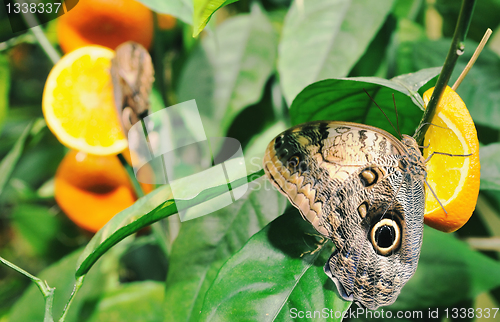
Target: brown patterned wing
<point>310,161</point>
<point>132,73</point>
<point>362,188</point>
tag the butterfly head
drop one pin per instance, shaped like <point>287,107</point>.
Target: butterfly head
<point>416,162</point>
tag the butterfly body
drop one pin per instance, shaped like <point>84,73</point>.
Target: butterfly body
<point>362,188</point>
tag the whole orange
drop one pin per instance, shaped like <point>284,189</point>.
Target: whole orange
<point>91,189</point>
<point>105,22</point>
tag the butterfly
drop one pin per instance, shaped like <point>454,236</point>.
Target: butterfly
<point>132,74</point>
<point>362,188</point>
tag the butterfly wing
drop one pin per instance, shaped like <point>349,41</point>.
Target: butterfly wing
<point>380,252</point>
<point>132,74</point>
<point>352,183</point>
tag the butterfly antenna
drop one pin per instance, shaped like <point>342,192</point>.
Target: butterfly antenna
<point>381,111</point>
<point>397,116</point>
<point>435,196</point>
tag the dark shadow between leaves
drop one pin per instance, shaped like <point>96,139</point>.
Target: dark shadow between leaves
<point>295,237</point>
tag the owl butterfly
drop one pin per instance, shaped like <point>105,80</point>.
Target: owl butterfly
<point>362,188</point>
<point>133,75</point>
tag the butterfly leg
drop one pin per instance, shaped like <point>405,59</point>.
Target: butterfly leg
<point>447,154</point>
<point>321,242</point>
<point>435,196</point>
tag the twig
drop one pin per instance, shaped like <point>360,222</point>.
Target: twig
<point>47,291</point>
<point>456,49</point>
<point>473,59</point>
<point>484,243</point>
<point>78,285</point>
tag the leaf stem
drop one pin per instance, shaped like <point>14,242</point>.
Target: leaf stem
<point>456,49</point>
<point>135,184</point>
<point>78,285</point>
<point>47,291</point>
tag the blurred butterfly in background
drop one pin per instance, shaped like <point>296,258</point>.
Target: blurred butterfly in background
<point>362,188</point>
<point>132,73</point>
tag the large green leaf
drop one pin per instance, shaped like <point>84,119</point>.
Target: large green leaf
<point>257,281</point>
<point>4,88</point>
<point>38,226</point>
<point>490,167</point>
<point>324,39</point>
<point>276,274</point>
<point>203,11</point>
<point>346,100</point>
<point>479,90</point>
<point>230,70</point>
<point>205,243</point>
<point>147,210</point>
<point>182,9</point>
<point>139,301</point>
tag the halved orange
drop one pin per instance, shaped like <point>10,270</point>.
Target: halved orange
<point>91,189</point>
<point>78,102</point>
<point>454,179</point>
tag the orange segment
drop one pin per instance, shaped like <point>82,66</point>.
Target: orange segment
<point>78,102</point>
<point>455,180</point>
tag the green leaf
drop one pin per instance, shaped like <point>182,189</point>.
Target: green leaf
<point>4,88</point>
<point>279,269</point>
<point>230,70</point>
<point>9,162</point>
<point>203,11</point>
<point>182,9</point>
<point>259,143</point>
<point>324,39</point>
<point>485,16</point>
<point>139,301</point>
<point>479,90</point>
<point>205,243</point>
<point>490,168</point>
<point>375,61</point>
<point>30,307</point>
<point>154,206</point>
<point>38,226</point>
<point>346,100</point>
<point>448,272</point>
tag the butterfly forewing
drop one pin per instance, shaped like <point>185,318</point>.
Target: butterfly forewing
<point>362,188</point>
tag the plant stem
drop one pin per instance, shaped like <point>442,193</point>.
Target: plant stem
<point>158,232</point>
<point>135,184</point>
<point>159,68</point>
<point>47,291</point>
<point>35,28</point>
<point>78,285</point>
<point>456,49</point>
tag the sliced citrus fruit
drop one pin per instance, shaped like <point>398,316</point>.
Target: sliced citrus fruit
<point>91,189</point>
<point>105,22</point>
<point>78,102</point>
<point>454,179</point>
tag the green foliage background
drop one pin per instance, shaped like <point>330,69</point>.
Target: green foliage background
<point>258,68</point>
